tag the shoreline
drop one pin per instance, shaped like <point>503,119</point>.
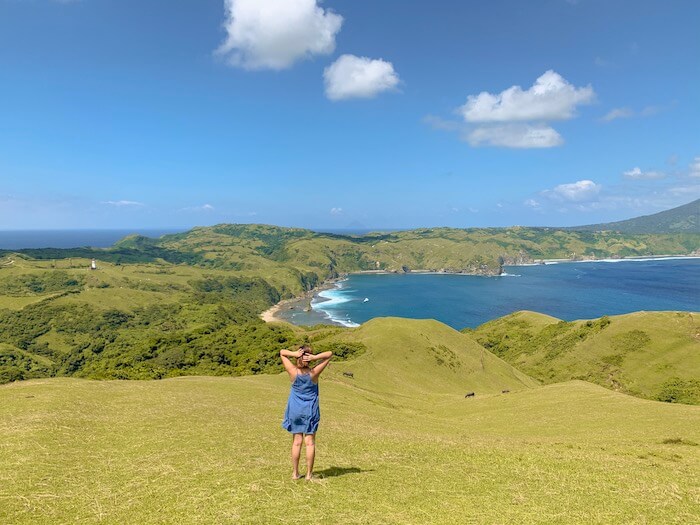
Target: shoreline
<point>270,315</point>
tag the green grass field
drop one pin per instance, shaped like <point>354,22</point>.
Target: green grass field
<point>398,443</point>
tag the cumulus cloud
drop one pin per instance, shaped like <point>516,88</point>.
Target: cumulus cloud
<point>336,211</point>
<point>551,97</point>
<point>515,136</point>
<point>274,34</point>
<point>579,191</point>
<point>695,167</point>
<point>517,117</point>
<point>358,77</point>
<point>124,203</point>
<point>638,174</point>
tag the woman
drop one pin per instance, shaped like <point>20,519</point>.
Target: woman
<point>302,415</point>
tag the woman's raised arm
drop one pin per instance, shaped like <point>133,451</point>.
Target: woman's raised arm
<point>325,358</point>
<point>288,365</point>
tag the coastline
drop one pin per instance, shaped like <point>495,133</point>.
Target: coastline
<point>271,314</point>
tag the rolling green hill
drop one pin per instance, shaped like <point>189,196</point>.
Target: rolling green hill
<point>654,355</point>
<point>684,218</point>
<point>426,357</point>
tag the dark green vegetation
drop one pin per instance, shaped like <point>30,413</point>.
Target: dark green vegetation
<point>654,355</point>
<point>684,218</point>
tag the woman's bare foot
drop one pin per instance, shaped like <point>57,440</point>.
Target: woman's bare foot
<point>296,477</point>
<point>309,477</point>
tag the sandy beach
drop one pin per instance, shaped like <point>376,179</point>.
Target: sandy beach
<point>270,315</point>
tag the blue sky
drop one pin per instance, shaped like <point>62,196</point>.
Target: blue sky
<point>346,113</point>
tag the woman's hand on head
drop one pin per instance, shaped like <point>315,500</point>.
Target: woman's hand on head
<point>307,358</point>
<point>299,353</point>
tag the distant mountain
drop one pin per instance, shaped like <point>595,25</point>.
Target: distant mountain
<point>683,219</point>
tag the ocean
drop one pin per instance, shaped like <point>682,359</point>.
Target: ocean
<point>19,239</point>
<point>567,290</point>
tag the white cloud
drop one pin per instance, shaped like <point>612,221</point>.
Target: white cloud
<point>580,191</point>
<point>515,136</point>
<point>695,167</point>
<point>123,203</point>
<point>532,203</point>
<point>517,118</point>
<point>336,211</point>
<point>689,192</point>
<point>638,174</point>
<point>204,208</point>
<point>273,34</point>
<point>551,97</point>
<point>618,113</point>
<point>358,77</point>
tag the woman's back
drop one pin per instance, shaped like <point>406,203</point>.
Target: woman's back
<point>303,413</point>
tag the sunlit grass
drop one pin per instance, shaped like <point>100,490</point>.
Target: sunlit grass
<point>211,450</point>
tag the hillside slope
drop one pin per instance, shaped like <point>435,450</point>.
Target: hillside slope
<point>684,218</point>
<point>211,450</point>
<point>425,357</point>
<point>654,355</point>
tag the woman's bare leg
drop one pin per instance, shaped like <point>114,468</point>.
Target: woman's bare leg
<point>296,454</point>
<point>310,441</point>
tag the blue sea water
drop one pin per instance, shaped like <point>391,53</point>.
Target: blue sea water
<point>19,239</point>
<point>567,291</point>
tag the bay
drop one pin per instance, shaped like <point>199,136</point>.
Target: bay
<point>568,291</point>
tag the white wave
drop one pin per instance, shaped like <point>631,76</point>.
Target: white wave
<point>332,298</point>
<point>345,322</point>
<point>506,274</point>
<point>631,259</point>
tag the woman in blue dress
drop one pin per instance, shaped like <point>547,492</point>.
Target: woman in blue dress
<point>302,415</point>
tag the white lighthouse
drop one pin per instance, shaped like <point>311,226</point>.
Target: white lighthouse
<point>93,265</point>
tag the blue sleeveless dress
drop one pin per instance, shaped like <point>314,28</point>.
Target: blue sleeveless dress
<point>302,414</point>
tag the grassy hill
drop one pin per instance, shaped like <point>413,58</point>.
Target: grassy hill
<point>425,357</point>
<point>684,218</point>
<point>654,355</point>
<point>211,450</point>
